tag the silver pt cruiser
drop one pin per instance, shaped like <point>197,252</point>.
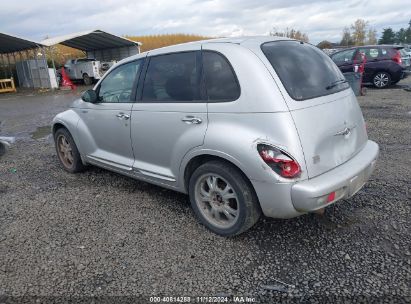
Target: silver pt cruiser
<point>243,125</point>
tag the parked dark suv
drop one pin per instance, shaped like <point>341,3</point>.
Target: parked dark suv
<point>383,63</point>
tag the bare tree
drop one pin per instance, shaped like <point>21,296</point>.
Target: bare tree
<point>359,29</point>
<point>300,36</point>
<point>290,33</point>
<point>346,38</point>
<point>372,36</point>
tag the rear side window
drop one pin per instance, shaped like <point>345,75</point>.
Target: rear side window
<point>220,80</point>
<point>305,71</point>
<point>370,53</point>
<point>172,78</point>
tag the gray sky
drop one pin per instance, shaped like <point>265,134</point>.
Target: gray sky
<point>321,20</point>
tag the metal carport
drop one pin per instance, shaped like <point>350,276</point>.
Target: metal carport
<point>11,44</point>
<point>98,44</point>
<point>35,73</point>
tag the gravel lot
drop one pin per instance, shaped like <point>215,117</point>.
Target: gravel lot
<point>99,234</point>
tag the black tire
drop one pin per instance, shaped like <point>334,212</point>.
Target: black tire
<point>381,80</point>
<point>2,149</point>
<point>248,209</point>
<point>74,164</point>
<point>87,79</point>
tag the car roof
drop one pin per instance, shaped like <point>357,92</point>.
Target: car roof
<point>398,47</point>
<point>393,46</point>
<point>229,40</point>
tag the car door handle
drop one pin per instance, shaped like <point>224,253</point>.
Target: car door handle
<point>123,116</point>
<point>191,120</point>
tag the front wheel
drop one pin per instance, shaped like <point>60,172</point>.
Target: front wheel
<point>67,152</point>
<point>382,80</point>
<point>222,199</point>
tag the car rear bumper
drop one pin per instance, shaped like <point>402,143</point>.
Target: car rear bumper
<point>342,182</point>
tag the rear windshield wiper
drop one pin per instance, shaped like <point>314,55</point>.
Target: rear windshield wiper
<point>335,83</point>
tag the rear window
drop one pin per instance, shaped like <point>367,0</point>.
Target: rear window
<point>305,71</point>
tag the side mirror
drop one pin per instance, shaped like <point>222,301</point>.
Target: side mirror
<point>89,96</point>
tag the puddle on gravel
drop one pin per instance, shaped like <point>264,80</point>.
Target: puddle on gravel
<point>41,132</point>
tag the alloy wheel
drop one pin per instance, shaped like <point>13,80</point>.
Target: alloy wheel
<point>217,200</point>
<point>381,80</point>
<point>65,151</point>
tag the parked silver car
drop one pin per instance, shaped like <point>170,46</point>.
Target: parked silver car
<point>243,125</point>
<point>406,58</point>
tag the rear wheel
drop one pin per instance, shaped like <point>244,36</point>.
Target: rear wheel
<point>382,80</point>
<point>87,79</point>
<point>67,152</point>
<point>222,198</point>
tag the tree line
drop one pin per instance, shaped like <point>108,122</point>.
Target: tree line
<point>403,35</point>
<point>361,33</point>
<point>156,41</point>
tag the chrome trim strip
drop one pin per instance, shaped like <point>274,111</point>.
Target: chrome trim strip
<point>99,160</point>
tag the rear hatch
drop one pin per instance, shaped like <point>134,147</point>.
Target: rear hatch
<point>324,109</point>
<point>330,133</point>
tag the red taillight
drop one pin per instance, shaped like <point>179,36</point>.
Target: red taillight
<point>397,57</point>
<point>280,162</point>
<point>331,197</point>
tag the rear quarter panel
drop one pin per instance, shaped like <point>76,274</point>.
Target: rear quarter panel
<point>259,115</point>
<point>237,135</point>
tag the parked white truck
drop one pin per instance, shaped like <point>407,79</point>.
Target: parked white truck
<point>86,69</point>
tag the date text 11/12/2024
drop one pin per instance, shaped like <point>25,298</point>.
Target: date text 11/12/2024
<point>203,299</point>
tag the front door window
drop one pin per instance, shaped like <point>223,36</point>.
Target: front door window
<point>117,86</point>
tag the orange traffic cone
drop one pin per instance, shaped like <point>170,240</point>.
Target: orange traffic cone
<point>66,82</point>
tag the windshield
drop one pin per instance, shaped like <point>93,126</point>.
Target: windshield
<point>305,71</point>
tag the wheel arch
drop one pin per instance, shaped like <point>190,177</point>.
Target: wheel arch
<point>56,126</point>
<point>382,70</point>
<point>68,125</point>
<point>69,120</point>
<point>194,162</point>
